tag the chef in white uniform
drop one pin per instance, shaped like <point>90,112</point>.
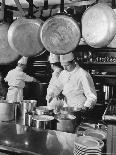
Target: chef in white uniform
<point>16,79</point>
<point>75,83</point>
<point>57,69</point>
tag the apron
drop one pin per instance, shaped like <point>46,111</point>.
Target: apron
<point>15,94</point>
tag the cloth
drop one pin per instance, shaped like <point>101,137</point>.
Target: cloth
<point>77,87</point>
<point>16,79</point>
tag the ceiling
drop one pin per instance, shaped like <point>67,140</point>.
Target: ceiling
<point>52,7</point>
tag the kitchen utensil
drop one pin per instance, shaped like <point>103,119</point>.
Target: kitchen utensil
<point>98,25</point>
<point>7,111</point>
<point>60,34</point>
<point>66,123</point>
<point>7,55</point>
<point>43,110</point>
<point>26,106</point>
<point>96,133</point>
<point>112,44</point>
<point>23,35</point>
<point>88,145</point>
<point>42,122</point>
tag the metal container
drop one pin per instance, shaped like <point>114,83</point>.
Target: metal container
<point>43,110</point>
<point>42,122</point>
<point>66,123</point>
<point>7,110</point>
<point>28,105</point>
<point>24,107</point>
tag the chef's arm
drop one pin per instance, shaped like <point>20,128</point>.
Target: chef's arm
<point>89,91</point>
<point>28,78</point>
<point>54,91</point>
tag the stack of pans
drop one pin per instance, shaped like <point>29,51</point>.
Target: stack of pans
<point>84,145</point>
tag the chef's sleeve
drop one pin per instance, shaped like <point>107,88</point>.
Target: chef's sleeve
<point>27,78</point>
<point>89,90</point>
<point>55,89</point>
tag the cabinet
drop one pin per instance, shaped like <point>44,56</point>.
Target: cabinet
<point>101,64</point>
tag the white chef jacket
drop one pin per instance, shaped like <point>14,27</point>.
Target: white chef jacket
<point>52,82</point>
<point>77,86</point>
<point>16,79</point>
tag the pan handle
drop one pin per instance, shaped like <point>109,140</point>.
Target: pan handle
<point>22,13</point>
<point>62,6</point>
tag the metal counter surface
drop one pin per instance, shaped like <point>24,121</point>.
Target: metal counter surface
<point>26,140</point>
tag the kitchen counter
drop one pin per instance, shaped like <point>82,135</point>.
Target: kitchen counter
<point>26,140</point>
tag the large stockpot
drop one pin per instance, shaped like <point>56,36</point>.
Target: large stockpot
<point>7,111</point>
<point>98,25</point>
<point>22,108</point>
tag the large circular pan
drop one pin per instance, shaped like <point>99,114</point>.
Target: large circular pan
<point>24,36</point>
<point>7,55</point>
<point>60,34</point>
<point>98,25</point>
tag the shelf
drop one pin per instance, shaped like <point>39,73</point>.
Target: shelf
<point>99,63</point>
<point>109,76</point>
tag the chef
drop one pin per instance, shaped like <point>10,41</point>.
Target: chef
<point>75,83</point>
<point>57,69</point>
<point>16,79</point>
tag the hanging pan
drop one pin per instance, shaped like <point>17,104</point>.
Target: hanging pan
<point>7,55</point>
<point>98,25</point>
<point>23,34</point>
<point>60,34</point>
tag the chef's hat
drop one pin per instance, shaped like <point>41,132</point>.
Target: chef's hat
<point>67,57</point>
<point>23,60</point>
<point>53,58</point>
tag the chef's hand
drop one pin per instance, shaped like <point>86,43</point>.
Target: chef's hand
<point>35,80</point>
<point>84,109</point>
<point>49,97</point>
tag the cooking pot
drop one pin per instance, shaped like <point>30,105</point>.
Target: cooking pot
<point>66,123</point>
<point>60,34</point>
<point>7,110</point>
<point>23,35</point>
<point>98,25</point>
<point>42,122</point>
<point>26,106</point>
